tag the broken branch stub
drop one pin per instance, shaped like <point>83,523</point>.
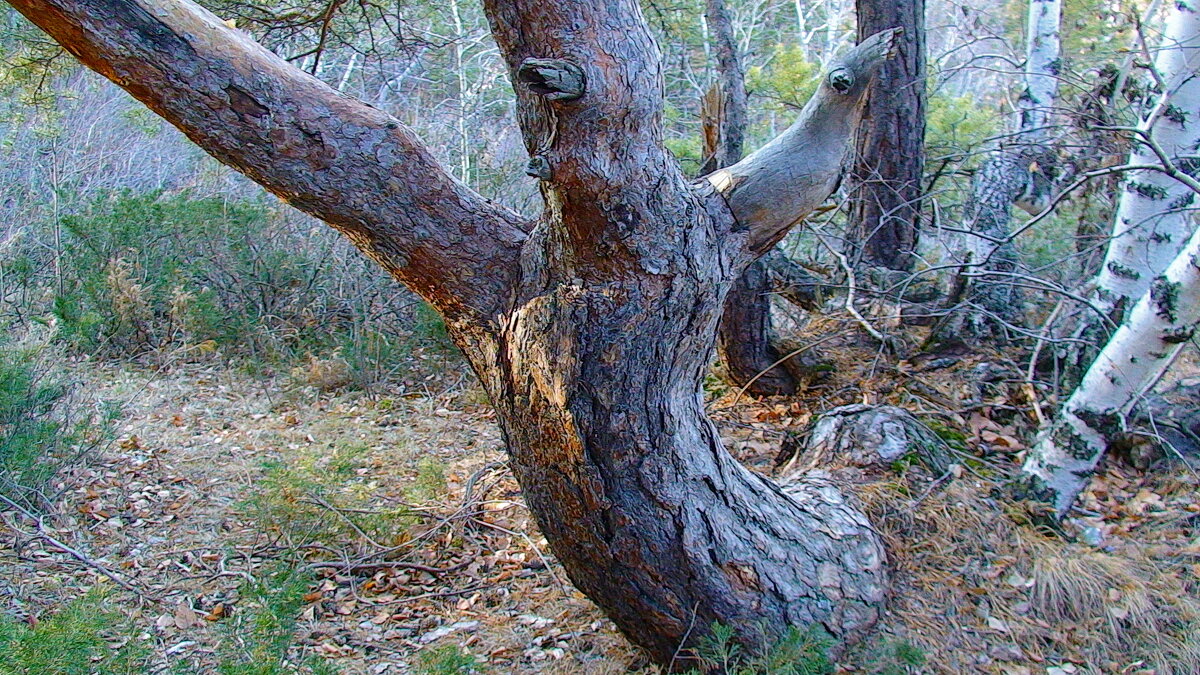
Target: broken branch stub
<point>553,79</point>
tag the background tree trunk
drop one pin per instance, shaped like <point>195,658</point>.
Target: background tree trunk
<point>744,338</point>
<point>1020,172</point>
<point>890,153</point>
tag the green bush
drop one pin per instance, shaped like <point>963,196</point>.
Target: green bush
<point>799,652</point>
<point>85,637</point>
<point>321,496</point>
<point>41,426</point>
<point>262,631</point>
<point>144,271</point>
<point>446,660</point>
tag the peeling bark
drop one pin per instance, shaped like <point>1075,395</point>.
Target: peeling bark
<point>591,329</point>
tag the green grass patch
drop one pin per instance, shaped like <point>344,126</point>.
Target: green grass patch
<point>87,636</point>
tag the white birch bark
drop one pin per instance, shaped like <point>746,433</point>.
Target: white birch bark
<point>1009,176</point>
<point>1154,216</point>
<point>1042,62</point>
<point>1065,456</point>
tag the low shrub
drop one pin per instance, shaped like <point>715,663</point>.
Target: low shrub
<point>87,636</point>
<point>43,425</point>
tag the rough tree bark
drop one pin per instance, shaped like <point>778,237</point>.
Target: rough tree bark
<point>1019,172</point>
<point>744,335</point>
<point>1062,462</point>
<point>590,328</point>
<point>1155,213</point>
<point>890,154</point>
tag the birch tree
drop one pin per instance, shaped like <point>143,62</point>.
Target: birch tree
<point>1063,460</point>
<point>1143,268</point>
<point>591,326</point>
<point>1016,173</point>
<point>1155,214</point>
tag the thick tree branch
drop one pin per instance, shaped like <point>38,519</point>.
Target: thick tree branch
<point>351,165</point>
<point>778,185</point>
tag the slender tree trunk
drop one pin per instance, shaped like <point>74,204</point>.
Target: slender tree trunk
<point>1154,216</point>
<point>886,211</point>
<point>1163,320</point>
<point>1021,173</point>
<point>591,328</point>
<point>744,337</point>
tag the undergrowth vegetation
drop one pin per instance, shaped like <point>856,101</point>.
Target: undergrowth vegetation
<point>89,635</point>
<point>322,497</point>
<point>175,277</point>
<point>43,425</point>
<point>259,637</point>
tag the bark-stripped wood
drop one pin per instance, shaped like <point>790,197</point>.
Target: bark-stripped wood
<point>744,336</point>
<point>593,339</point>
<point>1159,325</point>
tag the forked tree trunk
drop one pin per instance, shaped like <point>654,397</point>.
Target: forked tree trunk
<point>890,156</point>
<point>1155,214</point>
<point>1163,320</point>
<point>590,329</point>
<point>744,335</point>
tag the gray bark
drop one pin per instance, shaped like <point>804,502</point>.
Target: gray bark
<point>1021,172</point>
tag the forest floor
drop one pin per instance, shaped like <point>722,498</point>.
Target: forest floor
<point>395,511</point>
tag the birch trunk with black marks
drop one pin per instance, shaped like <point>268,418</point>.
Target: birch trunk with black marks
<point>744,336</point>
<point>890,153</point>
<point>1019,172</point>
<point>590,328</point>
<point>1155,214</point>
<point>1063,460</point>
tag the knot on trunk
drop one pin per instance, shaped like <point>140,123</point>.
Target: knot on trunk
<point>553,79</point>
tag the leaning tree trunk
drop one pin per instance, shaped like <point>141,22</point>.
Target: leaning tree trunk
<point>744,335</point>
<point>591,328</point>
<point>1163,320</point>
<point>987,299</point>
<point>890,155</point>
<point>1155,214</point>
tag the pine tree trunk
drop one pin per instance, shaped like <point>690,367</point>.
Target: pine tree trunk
<point>591,328</point>
<point>744,337</point>
<point>1163,320</point>
<point>890,154</point>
